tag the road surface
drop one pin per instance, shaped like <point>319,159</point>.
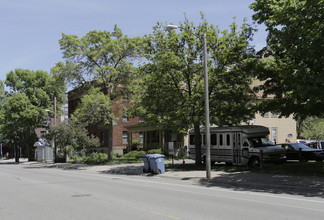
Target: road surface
<point>35,192</point>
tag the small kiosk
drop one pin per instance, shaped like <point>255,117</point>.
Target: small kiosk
<point>44,151</point>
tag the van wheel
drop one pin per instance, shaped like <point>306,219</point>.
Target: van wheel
<point>254,162</point>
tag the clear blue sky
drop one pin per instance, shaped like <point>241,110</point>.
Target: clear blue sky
<point>30,29</point>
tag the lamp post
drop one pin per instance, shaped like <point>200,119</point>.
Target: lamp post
<point>206,96</point>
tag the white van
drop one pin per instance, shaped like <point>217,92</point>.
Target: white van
<point>239,145</point>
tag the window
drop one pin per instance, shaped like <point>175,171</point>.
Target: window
<point>274,115</point>
<point>228,139</point>
<point>213,139</point>
<point>141,119</point>
<point>221,139</point>
<point>274,134</point>
<point>192,139</point>
<point>140,136</point>
<point>125,119</point>
<point>125,116</point>
<point>266,115</point>
<point>125,137</point>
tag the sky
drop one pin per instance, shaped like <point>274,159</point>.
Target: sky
<point>31,29</point>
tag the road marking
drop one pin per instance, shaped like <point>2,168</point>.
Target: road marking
<point>150,211</point>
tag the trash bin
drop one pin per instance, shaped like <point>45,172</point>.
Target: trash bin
<point>146,161</point>
<point>157,163</point>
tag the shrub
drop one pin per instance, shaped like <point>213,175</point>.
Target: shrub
<point>96,158</point>
<point>155,151</point>
<point>134,155</point>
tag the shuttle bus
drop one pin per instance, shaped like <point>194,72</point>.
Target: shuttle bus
<point>238,145</point>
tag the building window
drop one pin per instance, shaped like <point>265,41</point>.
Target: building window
<point>274,135</point>
<point>274,115</point>
<point>141,119</point>
<point>266,115</point>
<point>125,137</point>
<point>140,136</point>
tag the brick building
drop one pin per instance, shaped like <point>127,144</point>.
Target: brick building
<point>129,133</point>
<point>121,138</point>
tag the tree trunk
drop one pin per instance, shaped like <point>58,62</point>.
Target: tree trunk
<point>197,138</point>
<point>110,140</point>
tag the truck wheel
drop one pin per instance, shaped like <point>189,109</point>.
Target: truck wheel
<point>254,162</point>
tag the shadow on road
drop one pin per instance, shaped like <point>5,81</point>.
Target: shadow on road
<point>124,170</point>
<point>269,183</point>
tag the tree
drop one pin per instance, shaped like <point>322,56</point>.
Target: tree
<point>171,90</point>
<point>313,128</point>
<point>74,134</point>
<point>95,108</point>
<point>102,58</point>
<point>30,94</point>
<point>293,72</point>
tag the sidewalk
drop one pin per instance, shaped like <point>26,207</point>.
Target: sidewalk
<point>243,181</point>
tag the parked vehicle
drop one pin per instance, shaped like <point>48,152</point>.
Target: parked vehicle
<point>239,145</point>
<point>312,143</point>
<point>299,151</point>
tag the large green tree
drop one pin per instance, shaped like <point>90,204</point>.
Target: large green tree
<point>313,128</point>
<point>102,58</point>
<point>30,94</point>
<point>294,68</point>
<point>73,137</point>
<point>171,89</point>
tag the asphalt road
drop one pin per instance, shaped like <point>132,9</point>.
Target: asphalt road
<point>36,192</point>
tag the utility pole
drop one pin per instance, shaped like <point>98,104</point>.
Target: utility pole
<point>207,127</point>
<point>54,126</point>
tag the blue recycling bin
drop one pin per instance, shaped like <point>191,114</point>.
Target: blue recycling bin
<point>146,161</point>
<point>157,163</point>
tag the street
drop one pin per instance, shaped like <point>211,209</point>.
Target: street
<point>36,192</point>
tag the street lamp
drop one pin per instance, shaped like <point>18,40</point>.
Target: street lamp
<point>207,127</point>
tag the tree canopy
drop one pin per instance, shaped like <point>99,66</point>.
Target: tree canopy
<point>313,128</point>
<point>171,88</point>
<point>23,108</point>
<point>103,59</point>
<point>294,69</point>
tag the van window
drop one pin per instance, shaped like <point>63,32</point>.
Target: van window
<point>192,140</point>
<point>228,139</point>
<point>213,139</point>
<point>221,139</point>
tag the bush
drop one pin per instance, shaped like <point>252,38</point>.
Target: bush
<point>93,158</point>
<point>155,151</point>
<point>134,155</point>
